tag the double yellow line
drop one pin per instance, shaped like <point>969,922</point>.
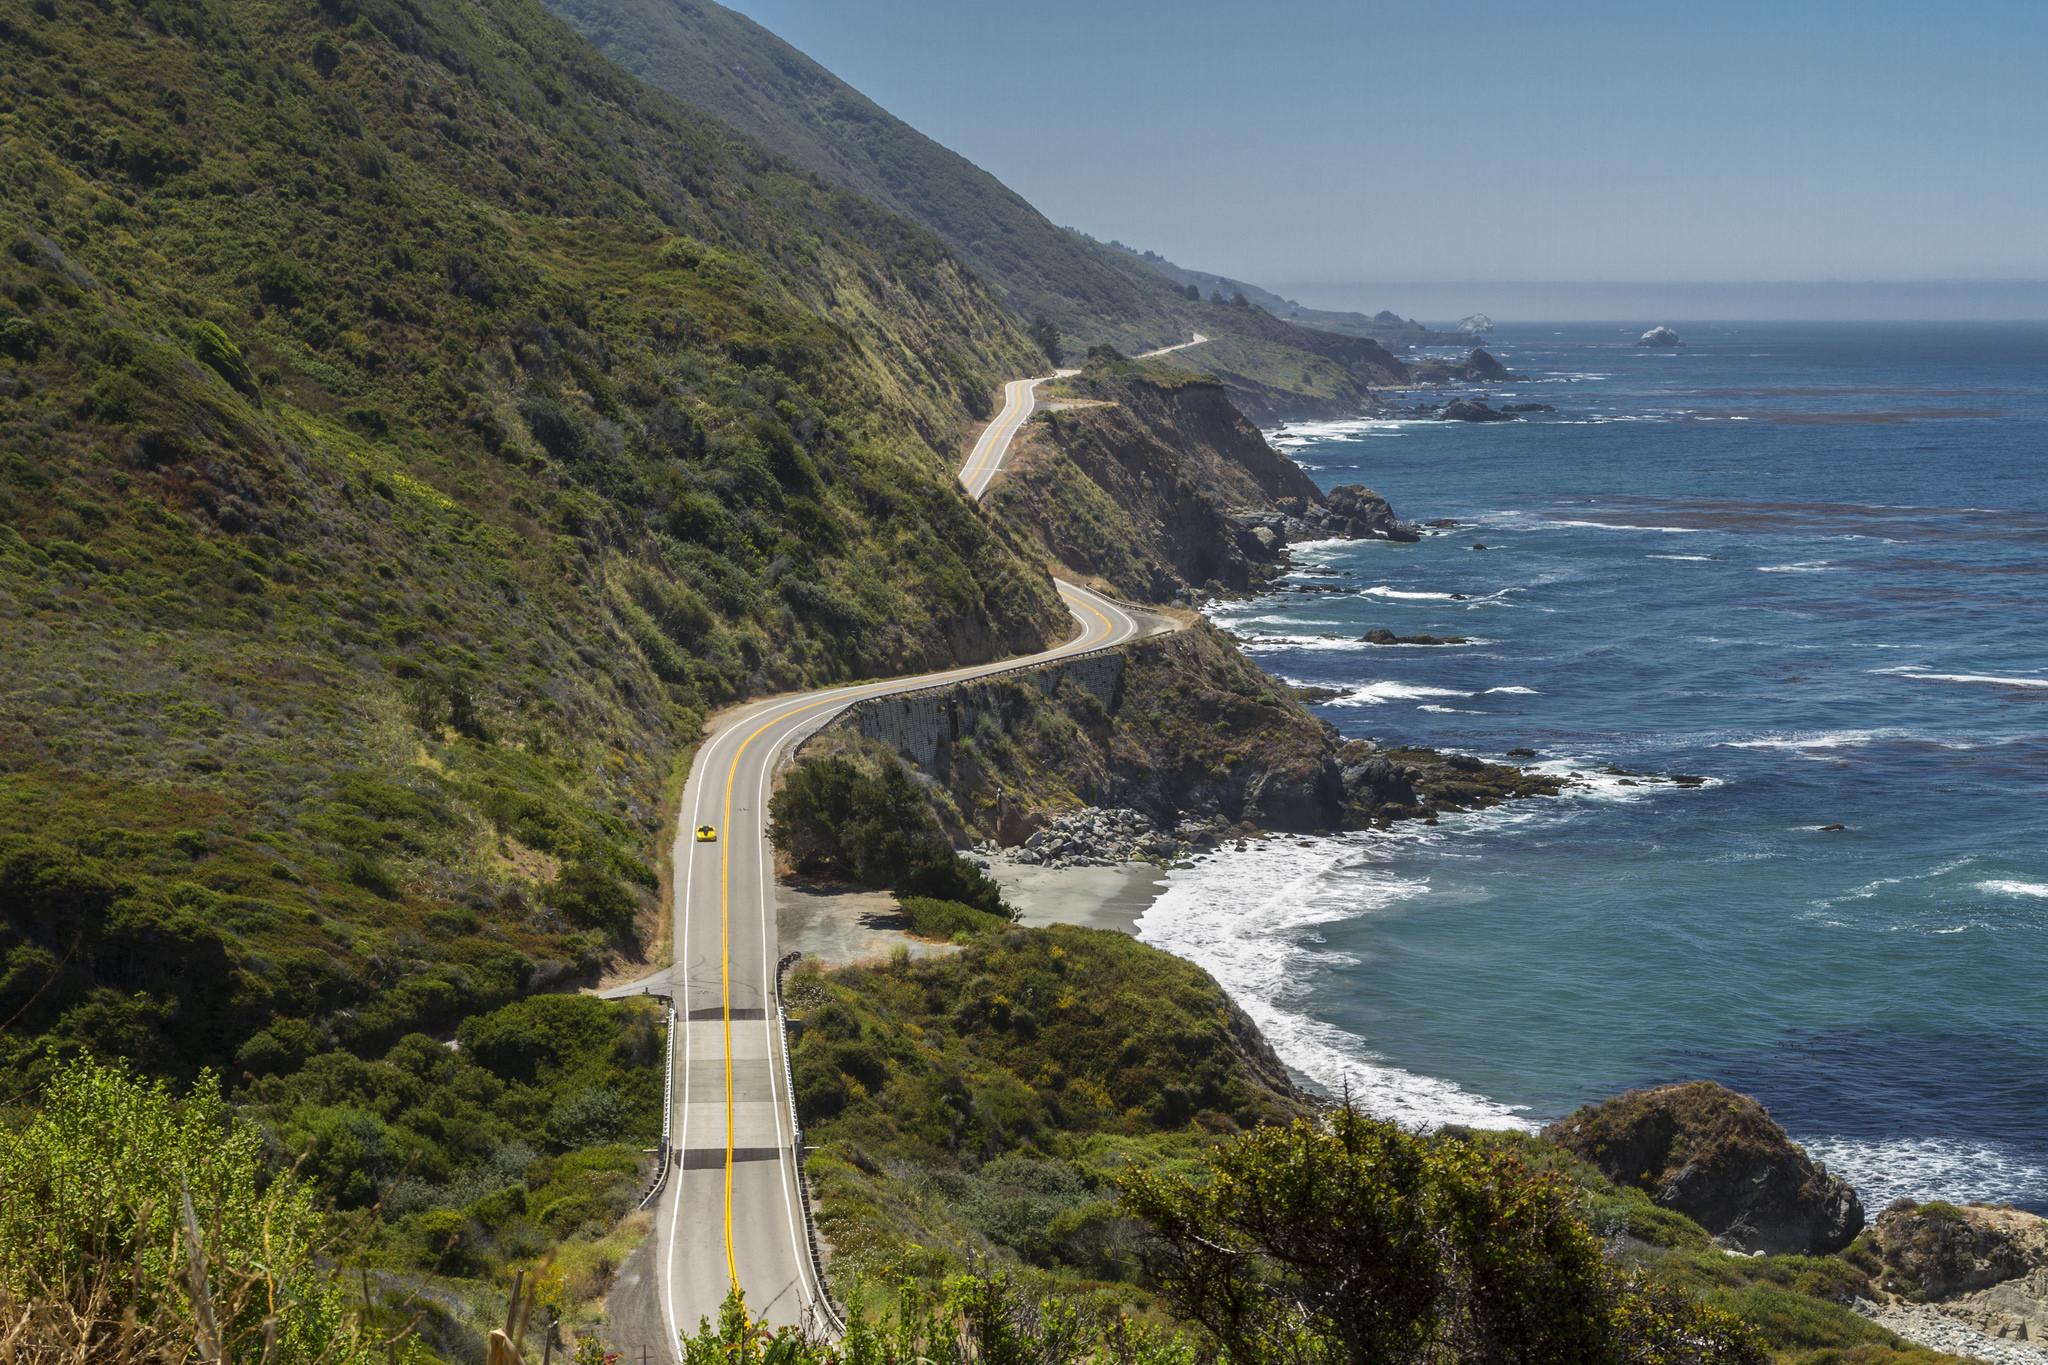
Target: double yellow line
<point>732,776</point>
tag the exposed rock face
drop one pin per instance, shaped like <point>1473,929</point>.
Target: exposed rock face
<point>1472,410</point>
<point>1162,488</point>
<point>1350,511</point>
<point>1718,1158</point>
<point>1662,337</point>
<point>1481,365</point>
<point>1176,729</point>
<point>1936,1251</point>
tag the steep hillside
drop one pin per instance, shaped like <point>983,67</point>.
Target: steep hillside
<point>731,67</point>
<point>1145,483</point>
<point>412,425</point>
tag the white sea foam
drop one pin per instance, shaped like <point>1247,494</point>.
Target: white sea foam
<point>1981,679</point>
<point>1406,595</point>
<point>1819,739</point>
<point>1390,593</point>
<point>1872,888</point>
<point>1804,566</point>
<point>1513,691</point>
<point>1447,710</point>
<point>1380,693</point>
<point>1626,526</point>
<point>1251,918</point>
<point>1687,559</point>
<point>1314,433</point>
<point>1270,644</point>
<point>2009,887</point>
<point>1589,778</point>
<point>1928,1168</point>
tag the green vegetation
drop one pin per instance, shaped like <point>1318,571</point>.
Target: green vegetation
<point>131,1222</point>
<point>410,427</point>
<point>1345,1238</point>
<point>972,1319</point>
<point>1088,291</point>
<point>1072,1133</point>
<point>863,818</point>
<point>931,918</point>
<point>984,1102</point>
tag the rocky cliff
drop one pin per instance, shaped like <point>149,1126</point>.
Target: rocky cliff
<point>1181,729</point>
<point>1156,484</point>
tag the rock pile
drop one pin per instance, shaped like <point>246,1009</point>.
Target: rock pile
<point>1097,837</point>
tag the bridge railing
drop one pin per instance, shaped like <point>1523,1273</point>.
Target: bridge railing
<point>834,1316</point>
<point>664,1155</point>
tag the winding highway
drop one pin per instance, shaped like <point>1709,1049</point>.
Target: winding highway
<point>732,1212</point>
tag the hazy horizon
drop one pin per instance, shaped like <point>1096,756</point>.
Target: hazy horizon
<point>1649,301</point>
<point>1304,140</point>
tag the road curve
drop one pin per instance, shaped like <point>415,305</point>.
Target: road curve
<point>732,1211</point>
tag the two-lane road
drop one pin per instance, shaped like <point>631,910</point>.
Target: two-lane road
<point>732,1211</point>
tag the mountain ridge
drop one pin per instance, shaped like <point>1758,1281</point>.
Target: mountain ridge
<point>734,69</point>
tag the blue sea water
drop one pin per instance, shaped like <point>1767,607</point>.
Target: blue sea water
<point>1807,563</point>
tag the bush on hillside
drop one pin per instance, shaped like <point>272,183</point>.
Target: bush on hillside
<point>929,917</point>
<point>96,1234</point>
<point>1350,1239</point>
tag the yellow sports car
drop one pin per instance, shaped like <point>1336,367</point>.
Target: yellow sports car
<point>706,835</point>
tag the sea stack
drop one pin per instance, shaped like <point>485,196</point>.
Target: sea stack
<point>1661,337</point>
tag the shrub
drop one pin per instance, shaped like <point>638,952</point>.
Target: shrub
<point>837,818</point>
<point>95,1189</point>
<point>933,918</point>
<point>1351,1239</point>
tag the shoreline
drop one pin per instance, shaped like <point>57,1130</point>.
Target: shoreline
<point>1112,897</point>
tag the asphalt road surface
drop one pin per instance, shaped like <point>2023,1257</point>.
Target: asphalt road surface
<point>732,1211</point>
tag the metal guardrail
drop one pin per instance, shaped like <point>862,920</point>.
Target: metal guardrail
<point>834,1316</point>
<point>664,1158</point>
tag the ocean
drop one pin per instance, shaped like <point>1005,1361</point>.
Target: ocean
<point>1805,562</point>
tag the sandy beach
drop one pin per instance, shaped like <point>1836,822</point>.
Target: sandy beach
<point>1095,897</point>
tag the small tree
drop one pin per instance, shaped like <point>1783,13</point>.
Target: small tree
<point>1047,338</point>
<point>1345,1238</point>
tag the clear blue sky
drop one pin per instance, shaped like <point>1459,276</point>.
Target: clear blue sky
<point>1301,141</point>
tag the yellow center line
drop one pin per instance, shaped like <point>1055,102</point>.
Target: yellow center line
<point>725,954</point>
<point>725,910</point>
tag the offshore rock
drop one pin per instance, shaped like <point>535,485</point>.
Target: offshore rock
<point>1662,337</point>
<point>1478,367</point>
<point>1380,635</point>
<point>1472,410</point>
<point>1350,512</point>
<point>1721,1160</point>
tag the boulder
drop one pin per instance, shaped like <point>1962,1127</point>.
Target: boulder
<point>1662,337</point>
<point>1936,1251</point>
<point>1718,1158</point>
<point>1472,410</point>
